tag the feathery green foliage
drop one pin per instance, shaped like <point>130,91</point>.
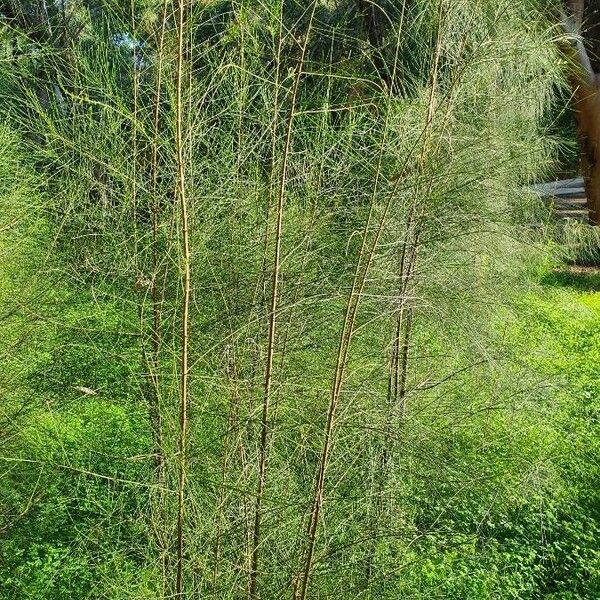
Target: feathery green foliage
<point>354,186</point>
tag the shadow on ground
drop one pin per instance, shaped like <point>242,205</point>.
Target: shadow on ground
<point>584,279</point>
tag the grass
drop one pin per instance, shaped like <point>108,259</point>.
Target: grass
<point>564,330</point>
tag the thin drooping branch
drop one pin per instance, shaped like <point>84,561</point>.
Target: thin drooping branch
<point>185,275</point>
<point>363,265</point>
<point>264,433</point>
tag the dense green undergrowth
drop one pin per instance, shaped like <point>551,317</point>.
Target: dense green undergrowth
<point>514,514</point>
<point>528,527</point>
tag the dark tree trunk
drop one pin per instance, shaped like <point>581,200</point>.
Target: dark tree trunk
<point>372,20</point>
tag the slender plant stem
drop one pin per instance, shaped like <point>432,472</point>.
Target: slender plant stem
<point>398,373</point>
<point>264,433</point>
<point>413,230</point>
<point>157,294</point>
<point>363,264</point>
<point>185,307</point>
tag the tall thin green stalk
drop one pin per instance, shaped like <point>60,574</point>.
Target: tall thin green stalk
<point>157,285</point>
<point>184,371</point>
<point>264,433</point>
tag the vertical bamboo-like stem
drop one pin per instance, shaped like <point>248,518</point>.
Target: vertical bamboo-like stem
<point>363,264</point>
<point>264,433</point>
<point>149,364</point>
<point>233,445</point>
<point>404,329</point>
<point>273,166</point>
<point>157,293</point>
<point>185,274</point>
<point>259,295</point>
<point>397,388</point>
<point>398,371</point>
<point>362,268</point>
<point>392,393</point>
<point>413,228</point>
<point>390,80</point>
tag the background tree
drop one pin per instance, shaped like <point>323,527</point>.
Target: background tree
<point>584,22</point>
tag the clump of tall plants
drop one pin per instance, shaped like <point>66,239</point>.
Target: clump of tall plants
<point>309,209</point>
